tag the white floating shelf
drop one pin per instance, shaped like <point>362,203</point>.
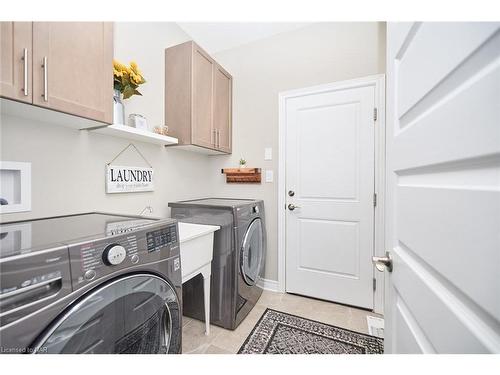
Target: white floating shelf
<point>134,134</point>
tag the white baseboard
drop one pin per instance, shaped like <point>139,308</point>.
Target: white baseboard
<point>271,285</point>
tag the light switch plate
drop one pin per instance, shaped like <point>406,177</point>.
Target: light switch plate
<point>269,175</point>
<point>268,153</point>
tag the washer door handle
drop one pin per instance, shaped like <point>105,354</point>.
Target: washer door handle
<point>16,299</point>
<point>41,285</point>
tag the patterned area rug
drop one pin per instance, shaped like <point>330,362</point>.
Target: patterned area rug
<point>280,333</point>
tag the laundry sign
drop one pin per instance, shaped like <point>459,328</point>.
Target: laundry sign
<point>124,179</point>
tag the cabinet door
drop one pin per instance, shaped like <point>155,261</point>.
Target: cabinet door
<point>202,109</point>
<point>72,68</point>
<point>223,108</point>
<point>15,60</point>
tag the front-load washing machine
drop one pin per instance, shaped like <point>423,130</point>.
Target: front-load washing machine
<point>90,283</point>
<point>238,259</point>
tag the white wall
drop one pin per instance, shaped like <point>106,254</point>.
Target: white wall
<point>145,43</point>
<point>68,166</point>
<point>312,55</point>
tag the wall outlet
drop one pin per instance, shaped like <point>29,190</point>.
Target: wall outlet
<point>268,153</point>
<point>269,175</point>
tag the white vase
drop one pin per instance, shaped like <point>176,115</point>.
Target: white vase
<point>118,109</point>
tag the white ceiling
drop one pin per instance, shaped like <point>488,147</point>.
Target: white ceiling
<point>219,36</point>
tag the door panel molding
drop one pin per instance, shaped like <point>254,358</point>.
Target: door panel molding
<point>453,305</point>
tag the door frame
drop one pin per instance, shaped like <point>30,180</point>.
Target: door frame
<point>378,82</point>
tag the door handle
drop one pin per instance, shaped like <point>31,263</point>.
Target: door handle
<point>218,138</point>
<point>214,133</point>
<point>25,72</point>
<point>383,263</point>
<point>292,207</point>
<point>45,78</point>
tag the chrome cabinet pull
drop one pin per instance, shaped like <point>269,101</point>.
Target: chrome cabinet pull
<point>25,72</point>
<point>45,79</point>
<point>218,138</point>
<point>214,133</point>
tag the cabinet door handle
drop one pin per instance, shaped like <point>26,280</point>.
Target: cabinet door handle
<point>25,71</point>
<point>218,138</point>
<point>45,79</point>
<point>214,133</point>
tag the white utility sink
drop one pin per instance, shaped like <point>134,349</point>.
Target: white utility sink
<point>197,245</point>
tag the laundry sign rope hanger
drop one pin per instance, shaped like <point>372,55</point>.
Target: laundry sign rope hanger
<point>125,149</point>
<point>129,179</point>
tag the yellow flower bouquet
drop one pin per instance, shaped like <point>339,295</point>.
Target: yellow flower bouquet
<point>127,78</point>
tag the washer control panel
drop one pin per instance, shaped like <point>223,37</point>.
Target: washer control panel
<point>158,239</point>
<point>95,259</point>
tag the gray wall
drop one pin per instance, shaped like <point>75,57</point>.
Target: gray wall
<point>312,55</point>
<point>68,166</point>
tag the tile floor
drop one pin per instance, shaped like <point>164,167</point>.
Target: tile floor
<point>222,341</point>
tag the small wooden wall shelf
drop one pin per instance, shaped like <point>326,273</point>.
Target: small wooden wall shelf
<point>242,175</point>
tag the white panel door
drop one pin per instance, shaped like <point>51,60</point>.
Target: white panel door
<point>443,201</point>
<point>330,170</point>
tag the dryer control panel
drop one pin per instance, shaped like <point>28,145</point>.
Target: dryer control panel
<point>98,258</point>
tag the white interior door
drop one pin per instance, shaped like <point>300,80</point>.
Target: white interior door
<point>330,182</point>
<point>443,154</point>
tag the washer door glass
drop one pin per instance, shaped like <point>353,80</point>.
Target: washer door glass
<point>252,252</point>
<point>132,314</point>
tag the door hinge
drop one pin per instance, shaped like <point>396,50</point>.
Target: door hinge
<point>375,114</point>
<point>375,200</point>
<point>374,284</point>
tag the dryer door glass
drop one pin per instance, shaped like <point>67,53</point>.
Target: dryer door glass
<point>252,252</point>
<point>133,314</point>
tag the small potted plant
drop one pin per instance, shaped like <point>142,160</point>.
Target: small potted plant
<point>126,81</point>
<point>243,163</point>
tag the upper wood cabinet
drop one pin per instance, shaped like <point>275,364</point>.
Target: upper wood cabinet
<point>70,66</point>
<point>15,60</point>
<point>198,99</point>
